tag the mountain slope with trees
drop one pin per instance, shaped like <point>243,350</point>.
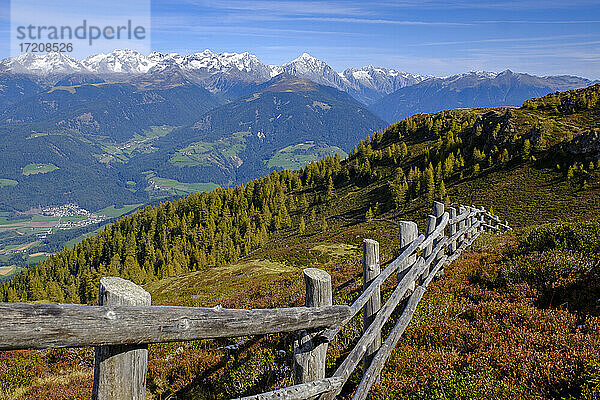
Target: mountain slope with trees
<point>105,157</point>
<point>85,108</point>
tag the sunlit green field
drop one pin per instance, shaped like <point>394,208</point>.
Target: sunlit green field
<point>32,169</point>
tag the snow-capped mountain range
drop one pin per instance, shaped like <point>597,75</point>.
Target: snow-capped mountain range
<point>232,75</point>
<point>366,83</point>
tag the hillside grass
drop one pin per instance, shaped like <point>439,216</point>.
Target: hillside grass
<point>210,288</point>
<point>165,187</point>
<point>113,211</point>
<point>297,156</point>
<point>8,182</point>
<point>33,169</point>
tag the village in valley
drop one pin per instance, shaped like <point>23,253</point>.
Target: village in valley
<point>28,237</point>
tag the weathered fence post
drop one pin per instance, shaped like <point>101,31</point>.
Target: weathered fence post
<point>120,371</point>
<point>371,270</point>
<point>482,220</point>
<point>431,223</point>
<point>438,212</point>
<point>408,233</point>
<point>461,225</point>
<point>309,360</point>
<point>469,223</point>
<point>452,228</point>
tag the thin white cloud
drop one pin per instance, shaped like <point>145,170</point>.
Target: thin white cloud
<point>382,21</point>
<point>491,5</point>
<point>534,22</point>
<point>175,24</point>
<point>502,40</point>
<point>303,7</point>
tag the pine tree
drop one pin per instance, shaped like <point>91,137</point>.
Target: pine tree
<point>330,189</point>
<point>313,215</point>
<point>399,189</point>
<point>369,215</point>
<point>388,153</point>
<point>526,148</point>
<point>302,225</point>
<point>303,202</point>
<point>442,194</point>
<point>449,165</point>
<point>571,174</point>
<point>324,224</point>
<point>429,184</point>
<point>439,174</point>
<point>504,158</point>
<point>403,150</point>
<point>478,130</point>
<point>478,156</point>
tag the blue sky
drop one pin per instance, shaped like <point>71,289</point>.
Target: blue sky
<point>419,36</point>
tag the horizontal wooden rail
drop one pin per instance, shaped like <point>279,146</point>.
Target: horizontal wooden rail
<point>43,326</point>
<point>436,250</point>
<point>438,266</point>
<point>459,233</point>
<point>496,219</point>
<point>496,228</point>
<point>461,217</point>
<point>302,391</point>
<point>439,230</point>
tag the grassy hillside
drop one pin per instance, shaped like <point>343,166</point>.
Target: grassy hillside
<point>514,318</point>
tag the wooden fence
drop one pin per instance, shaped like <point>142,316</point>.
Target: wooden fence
<point>124,322</point>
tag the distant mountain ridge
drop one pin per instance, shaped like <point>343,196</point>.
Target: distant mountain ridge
<point>470,90</point>
<point>234,75</point>
<point>284,111</point>
<point>217,72</point>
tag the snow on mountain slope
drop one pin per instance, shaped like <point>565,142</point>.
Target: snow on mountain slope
<point>218,72</point>
<point>381,79</point>
<point>119,61</point>
<point>42,64</point>
<point>234,74</point>
<point>472,89</point>
<point>309,67</point>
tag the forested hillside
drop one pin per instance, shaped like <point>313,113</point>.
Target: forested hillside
<point>532,164</point>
